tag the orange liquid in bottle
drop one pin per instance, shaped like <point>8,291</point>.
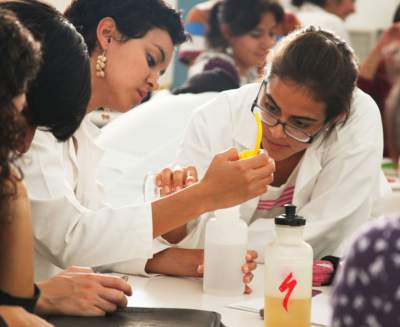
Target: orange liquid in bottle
<point>298,314</point>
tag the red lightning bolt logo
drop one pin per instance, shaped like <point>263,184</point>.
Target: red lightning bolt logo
<point>288,284</point>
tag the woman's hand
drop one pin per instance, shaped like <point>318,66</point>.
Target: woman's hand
<point>170,181</point>
<point>18,316</point>
<point>190,263</point>
<point>247,269</point>
<point>230,181</point>
<point>79,291</point>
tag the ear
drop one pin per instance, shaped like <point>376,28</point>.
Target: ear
<point>339,119</point>
<point>226,32</point>
<point>106,30</point>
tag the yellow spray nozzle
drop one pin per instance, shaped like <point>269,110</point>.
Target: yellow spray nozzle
<point>252,152</point>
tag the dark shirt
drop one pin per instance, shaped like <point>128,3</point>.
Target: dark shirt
<point>379,87</point>
<point>367,289</point>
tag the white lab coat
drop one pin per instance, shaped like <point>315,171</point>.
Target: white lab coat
<point>72,224</point>
<point>310,14</point>
<point>144,140</point>
<point>339,183</point>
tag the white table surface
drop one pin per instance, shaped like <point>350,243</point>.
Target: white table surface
<point>171,292</point>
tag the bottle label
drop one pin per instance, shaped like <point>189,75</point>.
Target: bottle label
<point>288,285</point>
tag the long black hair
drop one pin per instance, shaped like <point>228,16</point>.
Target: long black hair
<point>58,97</point>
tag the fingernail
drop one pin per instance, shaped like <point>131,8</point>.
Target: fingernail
<point>158,183</point>
<point>166,189</point>
<point>246,269</point>
<point>178,188</point>
<point>189,182</point>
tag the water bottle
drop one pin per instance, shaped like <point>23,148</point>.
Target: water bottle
<point>288,273</point>
<point>224,253</point>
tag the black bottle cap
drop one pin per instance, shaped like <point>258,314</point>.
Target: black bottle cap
<point>289,218</point>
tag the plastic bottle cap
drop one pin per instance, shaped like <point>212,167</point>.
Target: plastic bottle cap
<point>289,218</point>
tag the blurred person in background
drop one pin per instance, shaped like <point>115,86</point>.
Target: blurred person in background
<point>239,36</point>
<point>327,14</point>
<point>197,24</point>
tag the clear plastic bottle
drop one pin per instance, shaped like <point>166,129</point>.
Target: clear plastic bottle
<point>288,274</point>
<point>224,253</point>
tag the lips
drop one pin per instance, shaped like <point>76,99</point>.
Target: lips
<point>277,146</point>
<point>142,94</point>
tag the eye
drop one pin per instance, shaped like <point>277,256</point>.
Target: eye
<point>271,108</point>
<point>150,60</point>
<point>255,33</point>
<point>298,123</point>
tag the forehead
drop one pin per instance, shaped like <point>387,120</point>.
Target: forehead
<point>267,21</point>
<point>160,38</point>
<point>294,100</point>
<point>344,3</point>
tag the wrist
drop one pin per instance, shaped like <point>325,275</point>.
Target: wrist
<point>207,202</point>
<point>44,305</point>
<point>176,262</point>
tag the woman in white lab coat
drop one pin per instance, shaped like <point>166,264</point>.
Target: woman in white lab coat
<point>71,219</point>
<point>324,135</point>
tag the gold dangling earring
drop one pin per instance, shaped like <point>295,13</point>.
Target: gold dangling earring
<point>101,64</point>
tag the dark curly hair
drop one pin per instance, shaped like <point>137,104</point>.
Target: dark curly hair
<point>19,63</point>
<point>240,16</point>
<point>134,18</point>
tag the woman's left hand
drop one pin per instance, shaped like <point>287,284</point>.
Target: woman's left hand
<point>247,269</point>
<point>173,180</point>
<point>81,292</point>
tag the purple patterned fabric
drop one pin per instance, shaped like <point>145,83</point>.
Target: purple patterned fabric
<point>367,289</point>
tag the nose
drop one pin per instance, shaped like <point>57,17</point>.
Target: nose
<point>152,79</point>
<point>267,42</point>
<point>277,131</point>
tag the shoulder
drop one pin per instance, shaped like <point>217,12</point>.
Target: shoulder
<point>375,249</point>
<point>363,127</point>
<point>380,236</point>
<point>367,285</point>
<point>236,100</point>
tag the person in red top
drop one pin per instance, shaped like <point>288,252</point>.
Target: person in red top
<point>375,77</point>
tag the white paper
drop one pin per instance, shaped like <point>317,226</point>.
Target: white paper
<point>320,308</point>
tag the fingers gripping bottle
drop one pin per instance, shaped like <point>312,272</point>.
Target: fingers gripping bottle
<point>288,274</point>
<point>224,253</point>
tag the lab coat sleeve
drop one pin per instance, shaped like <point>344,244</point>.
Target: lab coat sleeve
<point>66,232</point>
<point>341,199</point>
<point>211,122</point>
<point>80,236</point>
